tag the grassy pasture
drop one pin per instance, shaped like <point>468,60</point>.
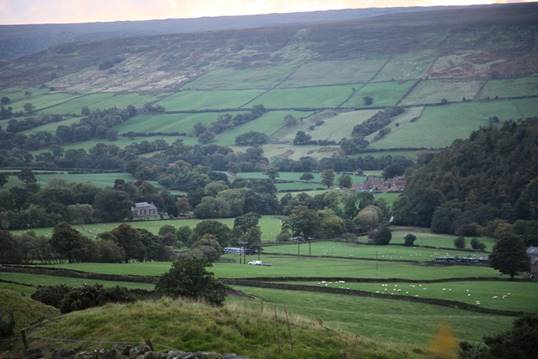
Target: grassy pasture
<point>340,126</point>
<point>302,266</point>
<point>433,91</point>
<point>426,238</point>
<point>383,94</point>
<point>526,86</point>
<point>44,100</point>
<point>334,72</point>
<point>389,197</point>
<point>295,176</point>
<point>51,127</point>
<point>265,77</point>
<point>340,249</point>
<point>310,97</point>
<point>42,279</point>
<point>182,122</point>
<point>270,226</point>
<point>382,319</point>
<point>406,66</point>
<point>25,310</point>
<point>197,100</point>
<point>298,186</point>
<point>296,152</point>
<point>503,295</point>
<point>439,126</point>
<point>16,94</point>
<point>269,123</point>
<point>101,101</point>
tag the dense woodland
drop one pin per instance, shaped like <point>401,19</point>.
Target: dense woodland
<point>465,188</point>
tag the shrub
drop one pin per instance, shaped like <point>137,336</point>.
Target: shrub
<point>307,176</point>
<point>283,236</point>
<point>477,245</point>
<point>381,235</point>
<point>409,239</point>
<point>93,296</point>
<point>188,278</point>
<point>459,242</point>
<point>50,295</point>
<point>7,323</point>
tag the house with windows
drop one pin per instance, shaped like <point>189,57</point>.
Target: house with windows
<point>379,184</point>
<point>532,252</point>
<point>144,210</point>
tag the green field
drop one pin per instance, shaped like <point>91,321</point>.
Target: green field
<point>309,97</point>
<point>166,122</point>
<point>302,266</point>
<point>101,101</point>
<point>426,238</point>
<point>298,186</point>
<point>265,77</point>
<point>296,152</point>
<point>406,66</point>
<point>382,319</point>
<point>340,249</point>
<point>269,123</point>
<point>43,101</point>
<point>382,93</point>
<point>334,72</point>
<point>439,126</point>
<point>526,86</point>
<point>340,126</point>
<point>198,100</point>
<point>433,91</point>
<point>502,295</point>
<point>51,127</point>
<point>296,176</point>
<point>389,197</point>
<point>270,226</point>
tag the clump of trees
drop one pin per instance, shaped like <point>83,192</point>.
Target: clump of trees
<point>251,138</point>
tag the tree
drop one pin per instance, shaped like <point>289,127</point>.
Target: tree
<point>11,250</point>
<point>69,243</point>
<point>409,239</point>
<point>368,100</point>
<point>85,111</point>
<point>307,176</point>
<point>345,181</point>
<point>188,278</point>
<point>27,176</point>
<point>3,179</point>
<point>302,221</point>
<point>290,121</point>
<point>128,238</point>
<point>509,255</point>
<point>327,178</point>
<point>5,100</point>
<point>251,138</point>
<point>272,173</point>
<point>477,245</point>
<point>221,231</point>
<point>112,206</point>
<point>459,242</point>
<point>302,138</point>
<point>28,107</point>
<point>393,170</point>
<point>381,235</point>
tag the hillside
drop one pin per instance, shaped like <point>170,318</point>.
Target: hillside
<point>450,70</point>
<point>191,326</point>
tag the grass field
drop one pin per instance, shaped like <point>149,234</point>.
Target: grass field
<point>26,311</point>
<point>198,100</point>
<point>439,126</point>
<point>340,126</point>
<point>426,238</point>
<point>302,266</point>
<point>502,295</point>
<point>41,279</point>
<point>406,66</point>
<point>310,97</point>
<point>270,226</point>
<point>101,101</point>
<point>382,319</point>
<point>269,123</point>
<point>334,72</point>
<point>389,197</point>
<point>250,78</point>
<point>382,93</point>
<point>340,249</point>
<point>51,127</point>
<point>526,86</point>
<point>166,122</point>
<point>296,152</point>
<point>298,186</point>
<point>433,91</point>
<point>43,101</point>
<point>296,176</point>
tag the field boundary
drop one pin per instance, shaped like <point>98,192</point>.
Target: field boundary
<point>361,293</point>
<point>378,280</point>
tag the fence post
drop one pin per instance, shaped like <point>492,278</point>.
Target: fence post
<point>24,339</point>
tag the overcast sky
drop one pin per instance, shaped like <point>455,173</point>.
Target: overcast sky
<point>68,11</point>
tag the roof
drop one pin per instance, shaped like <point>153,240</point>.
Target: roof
<point>144,205</point>
<point>532,251</point>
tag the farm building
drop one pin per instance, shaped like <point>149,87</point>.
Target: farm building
<point>532,252</point>
<point>144,210</point>
<point>379,184</point>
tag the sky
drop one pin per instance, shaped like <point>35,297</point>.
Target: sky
<point>70,11</point>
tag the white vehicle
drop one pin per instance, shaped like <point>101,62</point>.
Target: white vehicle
<point>255,263</point>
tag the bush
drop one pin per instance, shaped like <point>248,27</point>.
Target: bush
<point>380,236</point>
<point>283,236</point>
<point>7,323</point>
<point>188,278</point>
<point>477,245</point>
<point>93,296</point>
<point>50,295</point>
<point>409,239</point>
<point>459,242</point>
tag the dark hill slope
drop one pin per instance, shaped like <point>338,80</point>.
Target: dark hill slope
<point>492,175</point>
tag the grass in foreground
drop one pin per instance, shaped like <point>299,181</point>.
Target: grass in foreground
<point>26,311</point>
<point>256,333</point>
<point>382,319</point>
